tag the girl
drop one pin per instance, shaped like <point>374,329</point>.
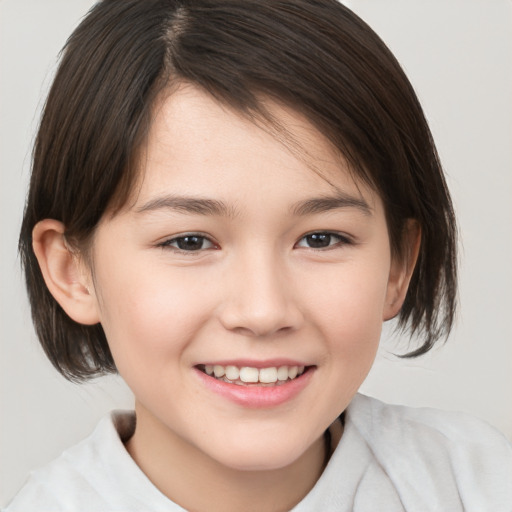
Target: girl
<point>228,198</point>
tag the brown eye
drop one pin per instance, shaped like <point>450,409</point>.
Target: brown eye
<point>318,240</point>
<point>189,243</point>
<point>322,240</point>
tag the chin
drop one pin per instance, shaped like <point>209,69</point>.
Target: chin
<point>268,462</point>
<point>258,456</point>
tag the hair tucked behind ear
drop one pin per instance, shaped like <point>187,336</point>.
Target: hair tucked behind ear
<point>313,55</point>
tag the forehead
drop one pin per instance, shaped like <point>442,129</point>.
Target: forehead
<point>196,145</point>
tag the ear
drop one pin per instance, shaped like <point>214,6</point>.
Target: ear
<point>402,269</point>
<point>67,277</point>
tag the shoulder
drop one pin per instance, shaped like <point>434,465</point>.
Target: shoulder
<point>96,474</point>
<point>438,449</point>
<point>451,426</point>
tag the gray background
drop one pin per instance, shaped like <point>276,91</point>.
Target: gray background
<point>458,55</point>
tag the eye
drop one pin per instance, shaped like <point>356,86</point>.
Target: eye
<point>322,240</point>
<point>189,243</point>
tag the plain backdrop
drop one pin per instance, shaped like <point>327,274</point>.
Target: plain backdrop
<point>458,55</point>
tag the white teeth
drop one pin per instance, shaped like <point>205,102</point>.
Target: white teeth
<point>218,370</point>
<point>232,373</point>
<point>252,375</point>
<point>249,374</point>
<point>282,373</point>
<point>268,375</point>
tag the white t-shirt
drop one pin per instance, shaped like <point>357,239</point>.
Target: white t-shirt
<point>390,459</point>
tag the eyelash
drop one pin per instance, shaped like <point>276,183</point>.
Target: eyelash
<point>176,240</point>
<point>327,236</point>
<point>341,240</point>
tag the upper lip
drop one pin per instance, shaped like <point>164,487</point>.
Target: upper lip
<point>251,363</point>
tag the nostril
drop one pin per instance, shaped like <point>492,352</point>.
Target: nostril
<point>258,324</point>
<point>258,303</point>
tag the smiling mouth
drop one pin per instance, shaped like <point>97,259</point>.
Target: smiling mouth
<point>247,376</point>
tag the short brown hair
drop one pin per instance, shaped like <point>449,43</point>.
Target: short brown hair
<point>315,56</point>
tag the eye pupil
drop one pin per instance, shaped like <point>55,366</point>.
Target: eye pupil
<point>319,240</point>
<point>190,243</point>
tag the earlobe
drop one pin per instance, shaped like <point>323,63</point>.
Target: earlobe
<point>402,269</point>
<point>63,272</point>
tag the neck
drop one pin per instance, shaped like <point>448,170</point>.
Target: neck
<point>178,469</point>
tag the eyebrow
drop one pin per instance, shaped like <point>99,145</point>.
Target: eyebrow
<point>324,204</point>
<point>196,205</point>
<point>204,206</point>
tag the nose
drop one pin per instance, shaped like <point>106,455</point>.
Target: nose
<point>259,298</point>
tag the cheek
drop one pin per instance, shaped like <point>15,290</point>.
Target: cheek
<point>351,299</point>
<point>150,315</point>
<point>348,312</point>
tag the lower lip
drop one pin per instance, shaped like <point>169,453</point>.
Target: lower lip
<point>257,397</point>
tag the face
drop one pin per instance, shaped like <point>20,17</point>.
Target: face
<point>242,292</point>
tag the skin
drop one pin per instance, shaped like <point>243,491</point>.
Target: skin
<point>254,290</point>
